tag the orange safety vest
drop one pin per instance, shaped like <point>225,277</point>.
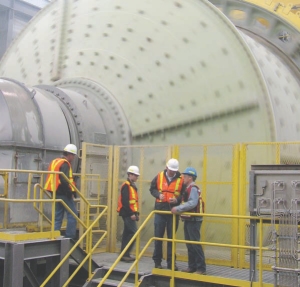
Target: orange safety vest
<point>199,208</point>
<point>133,198</point>
<point>169,191</point>
<point>53,180</point>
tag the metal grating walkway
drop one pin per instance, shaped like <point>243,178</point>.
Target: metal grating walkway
<point>146,265</point>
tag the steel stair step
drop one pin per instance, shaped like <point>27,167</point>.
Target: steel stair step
<point>110,282</point>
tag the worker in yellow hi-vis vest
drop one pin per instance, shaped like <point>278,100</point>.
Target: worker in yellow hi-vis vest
<point>64,189</point>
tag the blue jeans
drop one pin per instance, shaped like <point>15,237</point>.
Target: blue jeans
<point>196,258</point>
<point>161,223</point>
<point>130,229</point>
<point>59,215</point>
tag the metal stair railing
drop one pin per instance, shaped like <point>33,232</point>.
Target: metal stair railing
<point>88,256</point>
<point>139,254</point>
<point>89,227</point>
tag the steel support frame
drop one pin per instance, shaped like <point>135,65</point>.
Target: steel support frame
<point>17,254</point>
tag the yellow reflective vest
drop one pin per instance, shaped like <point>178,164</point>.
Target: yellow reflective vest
<point>53,180</point>
<point>169,191</point>
<point>133,198</point>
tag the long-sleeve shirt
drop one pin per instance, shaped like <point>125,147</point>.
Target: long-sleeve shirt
<point>64,187</point>
<point>166,206</point>
<point>126,210</point>
<point>191,203</point>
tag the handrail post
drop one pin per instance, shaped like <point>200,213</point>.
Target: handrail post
<point>82,208</point>
<point>5,195</point>
<point>236,223</point>
<point>137,249</point>
<point>241,201</point>
<point>260,252</point>
<point>29,184</point>
<point>174,221</point>
<point>41,206</point>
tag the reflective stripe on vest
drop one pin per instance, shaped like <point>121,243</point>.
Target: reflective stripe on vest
<point>133,198</point>
<point>53,180</point>
<point>168,190</point>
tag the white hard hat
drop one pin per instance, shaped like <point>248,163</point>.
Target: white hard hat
<point>71,148</point>
<point>133,169</point>
<point>173,164</point>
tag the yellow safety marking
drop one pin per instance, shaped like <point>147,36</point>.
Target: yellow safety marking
<point>161,175</point>
<point>282,9</point>
<point>208,278</point>
<point>14,236</point>
<point>177,183</point>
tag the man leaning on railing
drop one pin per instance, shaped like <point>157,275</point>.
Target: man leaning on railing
<point>192,202</point>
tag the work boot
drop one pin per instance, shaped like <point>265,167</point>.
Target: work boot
<point>158,265</point>
<point>175,267</point>
<point>127,259</point>
<point>189,270</point>
<point>131,258</point>
<point>200,272</point>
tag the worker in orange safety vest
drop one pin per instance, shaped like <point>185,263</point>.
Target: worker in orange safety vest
<point>167,188</point>
<point>64,190</point>
<point>129,210</point>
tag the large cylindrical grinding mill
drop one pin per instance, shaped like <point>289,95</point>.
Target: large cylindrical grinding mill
<point>179,71</point>
<point>146,72</point>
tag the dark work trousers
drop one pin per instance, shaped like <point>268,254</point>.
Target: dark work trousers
<point>59,215</point>
<point>196,258</point>
<point>161,223</point>
<point>130,229</point>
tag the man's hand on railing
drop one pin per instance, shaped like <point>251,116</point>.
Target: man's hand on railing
<point>174,210</point>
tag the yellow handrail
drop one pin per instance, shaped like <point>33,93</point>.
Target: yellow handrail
<point>260,248</point>
<point>34,204</point>
<point>53,200</point>
<point>74,247</point>
<point>5,178</point>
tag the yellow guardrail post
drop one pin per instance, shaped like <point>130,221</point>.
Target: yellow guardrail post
<point>82,208</point>
<point>53,210</point>
<point>41,207</point>
<point>29,184</point>
<point>242,202</point>
<point>113,198</point>
<point>260,252</point>
<point>235,204</point>
<point>110,192</point>
<point>175,151</point>
<point>172,281</point>
<point>4,195</point>
<point>137,248</point>
<point>5,187</point>
<point>204,186</point>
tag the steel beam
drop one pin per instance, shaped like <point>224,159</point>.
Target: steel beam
<point>13,265</point>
